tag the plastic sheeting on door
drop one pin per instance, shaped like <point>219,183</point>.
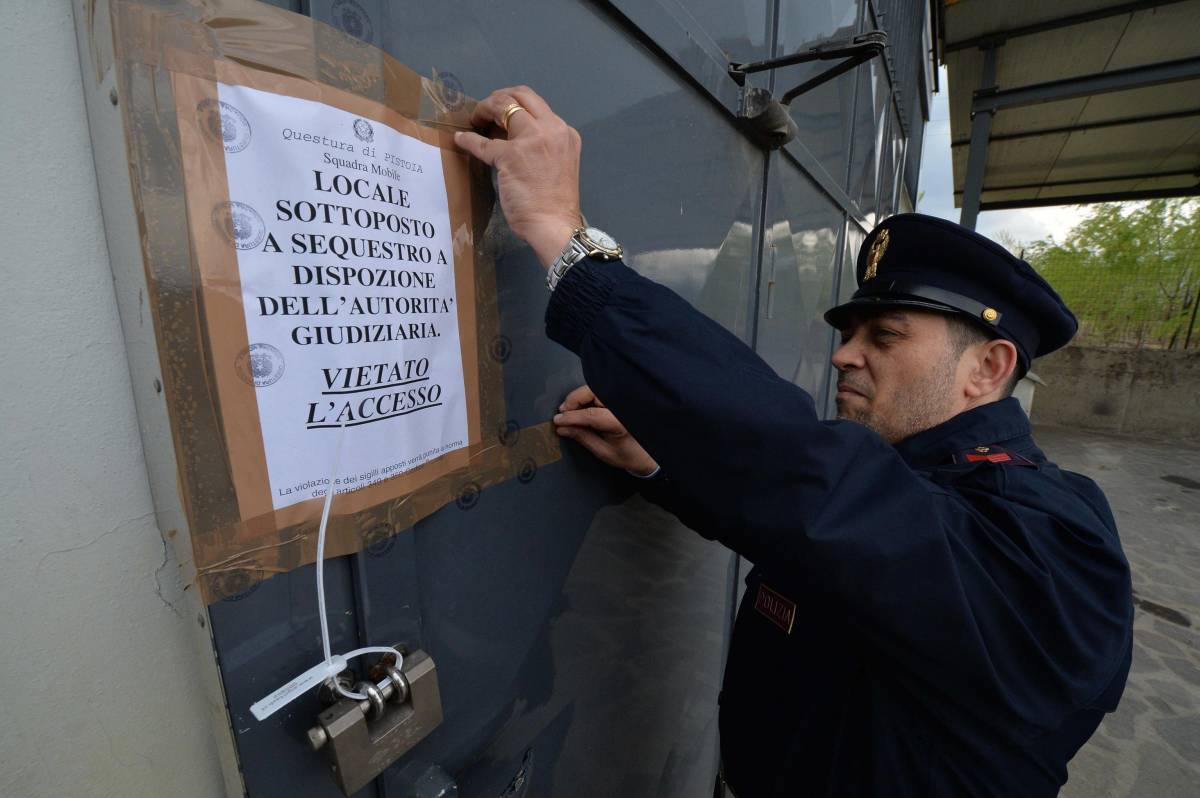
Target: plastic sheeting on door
<point>170,56</point>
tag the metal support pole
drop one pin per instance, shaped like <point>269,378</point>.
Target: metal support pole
<point>981,129</point>
<point>1192,324</point>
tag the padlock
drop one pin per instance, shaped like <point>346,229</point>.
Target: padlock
<point>363,738</point>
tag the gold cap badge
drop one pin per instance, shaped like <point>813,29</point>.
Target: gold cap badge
<point>876,254</point>
<point>990,315</point>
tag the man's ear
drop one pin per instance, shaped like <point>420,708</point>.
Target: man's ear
<point>995,364</point>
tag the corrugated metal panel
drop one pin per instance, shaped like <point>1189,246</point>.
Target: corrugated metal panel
<point>905,22</point>
<point>971,18</point>
<point>1024,166</point>
<point>1151,37</point>
<point>1148,102</point>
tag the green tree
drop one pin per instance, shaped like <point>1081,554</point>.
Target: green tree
<point>1130,272</point>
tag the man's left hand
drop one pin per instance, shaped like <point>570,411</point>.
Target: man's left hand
<point>583,418</point>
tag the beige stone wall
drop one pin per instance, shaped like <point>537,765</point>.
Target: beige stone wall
<point>1147,393</point>
<point>97,651</point>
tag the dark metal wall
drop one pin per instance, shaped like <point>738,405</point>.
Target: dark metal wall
<point>907,22</point>
<point>579,633</point>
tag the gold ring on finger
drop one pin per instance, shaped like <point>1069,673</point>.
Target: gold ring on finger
<point>508,112</point>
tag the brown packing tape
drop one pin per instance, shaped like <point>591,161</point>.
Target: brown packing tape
<point>263,549</point>
<point>171,57</point>
<point>204,168</point>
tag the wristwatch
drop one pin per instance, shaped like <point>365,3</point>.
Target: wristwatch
<point>586,242</point>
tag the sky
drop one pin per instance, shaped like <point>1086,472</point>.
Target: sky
<point>936,183</point>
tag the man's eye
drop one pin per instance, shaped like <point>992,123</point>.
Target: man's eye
<point>882,332</point>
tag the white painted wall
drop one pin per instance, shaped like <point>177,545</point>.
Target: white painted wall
<point>98,668</point>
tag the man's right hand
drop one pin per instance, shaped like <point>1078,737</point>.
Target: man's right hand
<point>584,418</point>
<point>537,167</point>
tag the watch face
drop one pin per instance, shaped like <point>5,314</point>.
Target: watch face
<point>601,239</point>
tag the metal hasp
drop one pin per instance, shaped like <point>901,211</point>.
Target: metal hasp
<point>769,118</point>
<point>363,738</point>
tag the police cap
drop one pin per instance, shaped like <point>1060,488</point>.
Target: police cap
<point>921,261</point>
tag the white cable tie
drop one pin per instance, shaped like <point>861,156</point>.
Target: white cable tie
<point>265,707</point>
<point>332,664</point>
<point>337,456</point>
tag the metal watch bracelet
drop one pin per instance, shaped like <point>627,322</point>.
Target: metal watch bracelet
<point>571,254</point>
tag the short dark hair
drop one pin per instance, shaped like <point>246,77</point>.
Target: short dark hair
<point>963,333</point>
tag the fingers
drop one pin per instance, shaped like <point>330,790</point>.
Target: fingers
<point>530,99</point>
<point>598,418</point>
<point>595,444</point>
<point>487,111</point>
<point>580,397</point>
<point>483,148</point>
<point>537,165</point>
<point>491,109</point>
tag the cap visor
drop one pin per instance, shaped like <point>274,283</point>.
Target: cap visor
<point>839,316</point>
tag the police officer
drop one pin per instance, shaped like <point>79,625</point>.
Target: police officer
<point>935,609</point>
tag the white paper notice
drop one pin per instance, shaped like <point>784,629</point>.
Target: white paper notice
<point>347,275</point>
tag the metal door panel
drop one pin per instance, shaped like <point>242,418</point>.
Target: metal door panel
<point>852,240</point>
<point>579,632</point>
<point>887,169</point>
<point>265,636</point>
<point>801,256</point>
<point>620,668</point>
<point>866,151</point>
<point>847,281</point>
<point>742,28</point>
<point>572,624</point>
<point>824,113</point>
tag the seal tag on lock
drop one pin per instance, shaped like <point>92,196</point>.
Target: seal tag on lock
<point>270,704</point>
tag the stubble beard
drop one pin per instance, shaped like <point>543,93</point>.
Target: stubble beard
<point>917,406</point>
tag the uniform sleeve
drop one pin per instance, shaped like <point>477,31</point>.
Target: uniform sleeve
<point>955,598</point>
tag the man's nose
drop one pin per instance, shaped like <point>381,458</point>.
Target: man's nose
<point>848,355</point>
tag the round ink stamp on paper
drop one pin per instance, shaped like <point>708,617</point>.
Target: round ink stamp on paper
<point>259,365</point>
<point>240,223</point>
<point>363,130</point>
<point>352,18</point>
<point>224,123</point>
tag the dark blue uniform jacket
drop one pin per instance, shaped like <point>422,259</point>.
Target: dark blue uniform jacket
<point>926,619</point>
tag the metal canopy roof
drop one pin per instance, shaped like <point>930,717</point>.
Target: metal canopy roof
<point>1071,101</point>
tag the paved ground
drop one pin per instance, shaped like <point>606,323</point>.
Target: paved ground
<point>1150,747</point>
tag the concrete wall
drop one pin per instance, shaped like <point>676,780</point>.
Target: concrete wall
<point>96,658</point>
<point>1148,393</point>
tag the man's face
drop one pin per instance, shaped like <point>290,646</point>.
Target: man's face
<point>897,373</point>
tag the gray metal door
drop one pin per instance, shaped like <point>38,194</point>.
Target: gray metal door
<point>579,632</point>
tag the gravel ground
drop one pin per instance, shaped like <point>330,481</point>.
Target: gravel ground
<point>1150,747</point>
